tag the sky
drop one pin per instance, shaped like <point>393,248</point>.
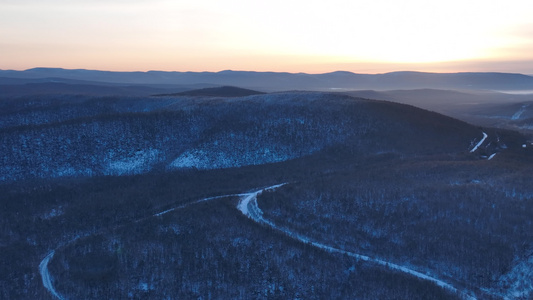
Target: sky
<point>362,36</point>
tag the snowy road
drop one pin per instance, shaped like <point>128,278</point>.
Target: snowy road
<point>195,202</point>
<point>43,266</point>
<point>45,275</point>
<point>480,142</point>
<point>248,206</point>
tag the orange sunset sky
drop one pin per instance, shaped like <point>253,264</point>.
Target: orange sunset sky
<point>371,36</point>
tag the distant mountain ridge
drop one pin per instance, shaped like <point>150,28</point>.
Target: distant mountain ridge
<point>278,81</point>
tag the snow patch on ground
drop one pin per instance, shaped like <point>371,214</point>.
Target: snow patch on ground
<point>518,283</point>
<point>194,159</point>
<point>240,241</point>
<point>218,159</point>
<point>55,212</point>
<point>144,286</point>
<point>63,171</point>
<point>139,162</point>
<point>66,171</point>
<point>174,229</point>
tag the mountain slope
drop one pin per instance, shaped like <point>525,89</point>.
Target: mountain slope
<point>113,136</point>
<point>124,197</point>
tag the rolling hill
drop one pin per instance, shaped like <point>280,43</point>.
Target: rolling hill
<point>269,196</point>
<point>115,136</point>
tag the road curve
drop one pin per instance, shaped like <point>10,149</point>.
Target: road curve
<point>45,275</point>
<point>248,206</point>
<point>43,266</point>
<point>480,142</point>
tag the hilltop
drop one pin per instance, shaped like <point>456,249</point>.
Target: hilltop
<point>223,91</point>
<point>115,136</point>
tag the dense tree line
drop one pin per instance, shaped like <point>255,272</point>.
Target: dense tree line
<point>467,227</point>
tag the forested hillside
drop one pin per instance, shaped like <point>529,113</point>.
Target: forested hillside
<point>142,197</point>
<point>82,136</point>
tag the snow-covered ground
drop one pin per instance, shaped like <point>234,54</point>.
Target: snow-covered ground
<point>139,162</point>
<point>55,212</point>
<point>193,159</point>
<point>518,283</point>
<point>210,157</point>
<point>248,206</point>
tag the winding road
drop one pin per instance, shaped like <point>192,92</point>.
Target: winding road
<point>43,266</point>
<point>480,142</point>
<point>45,275</point>
<point>248,206</point>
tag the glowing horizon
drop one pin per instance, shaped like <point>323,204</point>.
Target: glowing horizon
<point>370,36</point>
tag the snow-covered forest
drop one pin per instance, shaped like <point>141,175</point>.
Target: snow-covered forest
<point>137,197</point>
